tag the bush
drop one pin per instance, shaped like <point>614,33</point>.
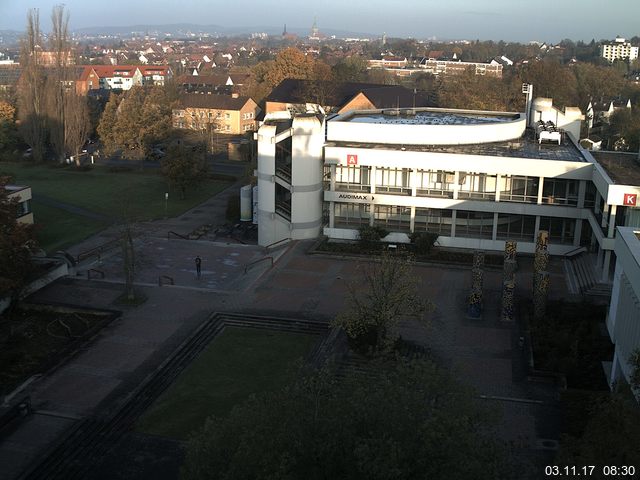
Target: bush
<point>369,237</point>
<point>423,242</point>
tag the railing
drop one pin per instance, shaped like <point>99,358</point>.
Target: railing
<point>249,265</point>
<point>284,174</point>
<point>574,252</point>
<point>95,270</point>
<point>97,251</point>
<point>171,232</point>
<point>284,210</point>
<point>165,280</point>
<point>276,243</point>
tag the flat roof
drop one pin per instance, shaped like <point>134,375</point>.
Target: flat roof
<point>405,116</point>
<point>524,147</point>
<point>622,167</point>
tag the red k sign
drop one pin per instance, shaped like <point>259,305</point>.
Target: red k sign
<point>630,199</point>
<point>353,159</point>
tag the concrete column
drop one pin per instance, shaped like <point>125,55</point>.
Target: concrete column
<point>332,186</point>
<point>577,234</point>
<point>456,185</point>
<point>332,215</point>
<point>582,191</point>
<point>494,234</point>
<point>596,207</point>
<point>540,187</point>
<point>615,369</point>
<point>498,179</point>
<point>536,228</point>
<point>412,222</point>
<point>372,211</point>
<point>599,257</point>
<point>454,215</point>
<point>373,180</point>
<point>612,221</point>
<point>605,266</point>
<point>605,215</point>
<point>412,182</point>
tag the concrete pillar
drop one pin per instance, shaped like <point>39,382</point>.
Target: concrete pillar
<point>577,234</point>
<point>612,221</point>
<point>582,190</point>
<point>498,180</point>
<point>332,215</point>
<point>332,185</point>
<point>494,233</point>
<point>540,188</point>
<point>596,207</point>
<point>412,222</point>
<point>453,222</point>
<point>605,215</point>
<point>536,229</point>
<point>456,184</point>
<point>413,177</point>
<point>373,179</point>
<point>605,266</point>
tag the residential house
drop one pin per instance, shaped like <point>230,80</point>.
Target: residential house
<point>23,195</point>
<point>296,95</point>
<point>121,77</point>
<point>231,114</point>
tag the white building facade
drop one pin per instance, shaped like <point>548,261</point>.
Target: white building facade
<point>474,178</point>
<point>623,320</point>
<point>619,50</point>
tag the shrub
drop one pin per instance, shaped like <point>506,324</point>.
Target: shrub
<point>423,242</point>
<point>369,237</point>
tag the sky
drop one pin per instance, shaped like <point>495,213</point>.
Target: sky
<point>509,20</point>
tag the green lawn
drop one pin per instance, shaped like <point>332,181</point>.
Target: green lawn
<point>58,229</point>
<point>133,195</point>
<point>237,363</point>
<point>136,195</point>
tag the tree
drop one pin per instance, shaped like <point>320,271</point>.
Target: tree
<point>634,363</point>
<point>550,79</point>
<point>408,420</point>
<point>625,123</point>
<point>16,243</point>
<point>351,69</point>
<point>77,124</point>
<point>8,131</point>
<point>385,293</point>
<point>31,98</point>
<point>184,167</point>
<point>106,128</point>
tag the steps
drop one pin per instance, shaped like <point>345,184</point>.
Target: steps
<point>582,277</point>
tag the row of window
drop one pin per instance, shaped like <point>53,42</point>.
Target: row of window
<point>467,223</point>
<point>471,185</point>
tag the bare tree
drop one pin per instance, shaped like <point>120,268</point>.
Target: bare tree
<point>57,83</point>
<point>76,125</point>
<point>31,97</point>
<point>129,262</point>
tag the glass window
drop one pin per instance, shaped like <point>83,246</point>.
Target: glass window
<point>353,178</point>
<point>434,183</point>
<point>393,180</point>
<point>351,215</point>
<point>516,227</point>
<point>520,189</point>
<point>433,221</point>
<point>474,224</point>
<point>392,218</point>
<point>561,230</point>
<point>477,186</point>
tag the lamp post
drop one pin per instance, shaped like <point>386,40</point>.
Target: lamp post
<point>166,201</point>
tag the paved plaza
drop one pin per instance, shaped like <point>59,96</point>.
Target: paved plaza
<point>483,353</point>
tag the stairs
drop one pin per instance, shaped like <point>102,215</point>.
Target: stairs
<point>582,277</point>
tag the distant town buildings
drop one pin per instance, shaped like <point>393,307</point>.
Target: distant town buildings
<point>620,49</point>
<point>230,114</point>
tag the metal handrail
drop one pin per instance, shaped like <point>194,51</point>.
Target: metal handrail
<point>575,251</point>
<point>171,232</point>
<point>99,272</point>
<point>276,243</point>
<point>167,278</point>
<point>97,250</point>
<point>246,267</point>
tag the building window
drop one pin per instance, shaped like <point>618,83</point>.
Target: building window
<point>433,221</point>
<point>392,218</point>
<point>474,224</point>
<point>559,191</point>
<point>560,230</point>
<point>393,180</point>
<point>434,183</point>
<point>516,227</point>
<point>478,186</point>
<point>519,189</point>
<point>23,208</point>
<point>353,178</point>
<point>227,116</point>
<point>247,116</point>
<point>351,215</point>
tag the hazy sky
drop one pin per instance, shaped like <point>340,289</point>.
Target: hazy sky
<point>517,20</point>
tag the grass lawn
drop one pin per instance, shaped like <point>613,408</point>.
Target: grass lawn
<point>138,195</point>
<point>58,229</point>
<point>239,362</point>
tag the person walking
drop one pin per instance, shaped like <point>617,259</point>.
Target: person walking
<point>198,266</point>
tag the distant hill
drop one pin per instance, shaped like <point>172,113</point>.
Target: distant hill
<point>184,29</point>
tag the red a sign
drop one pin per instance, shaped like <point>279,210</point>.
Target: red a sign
<point>353,160</point>
<point>630,199</point>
